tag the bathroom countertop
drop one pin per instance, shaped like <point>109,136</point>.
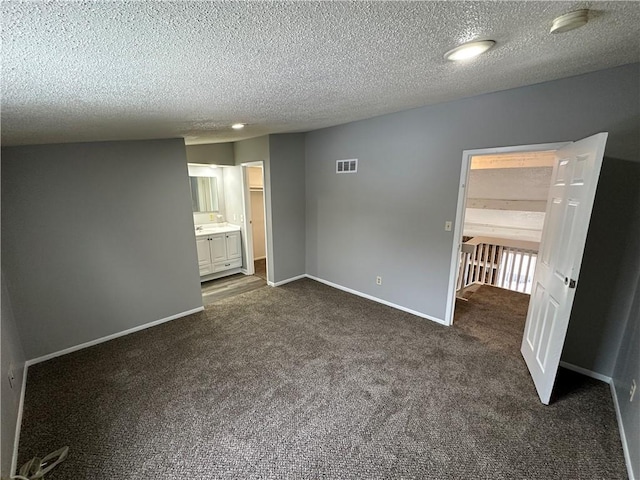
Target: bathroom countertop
<point>212,229</point>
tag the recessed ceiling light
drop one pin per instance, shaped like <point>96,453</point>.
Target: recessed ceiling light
<point>570,21</point>
<point>238,126</point>
<point>469,50</point>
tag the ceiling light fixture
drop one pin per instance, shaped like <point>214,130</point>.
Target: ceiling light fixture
<point>570,21</point>
<point>238,126</point>
<point>469,50</point>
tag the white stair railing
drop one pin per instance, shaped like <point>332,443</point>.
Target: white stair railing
<point>499,262</point>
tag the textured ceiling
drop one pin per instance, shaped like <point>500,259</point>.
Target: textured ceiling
<point>84,71</point>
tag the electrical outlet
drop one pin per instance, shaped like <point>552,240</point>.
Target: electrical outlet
<point>11,376</point>
<point>633,389</point>
<point>378,280</point>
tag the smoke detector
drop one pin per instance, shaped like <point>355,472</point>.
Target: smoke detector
<point>570,21</point>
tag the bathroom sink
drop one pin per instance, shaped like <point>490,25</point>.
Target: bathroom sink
<point>217,228</point>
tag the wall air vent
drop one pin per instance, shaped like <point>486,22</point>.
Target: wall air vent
<point>347,166</point>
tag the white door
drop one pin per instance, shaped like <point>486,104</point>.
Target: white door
<point>248,220</point>
<point>573,188</point>
<point>257,224</point>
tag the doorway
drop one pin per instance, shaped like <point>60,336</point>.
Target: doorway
<point>505,204</point>
<point>255,219</point>
<point>498,226</point>
<point>221,235</point>
<point>572,189</point>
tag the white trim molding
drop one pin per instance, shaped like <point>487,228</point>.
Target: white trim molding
<point>586,372</point>
<point>378,300</point>
<point>16,439</point>
<point>623,436</point>
<point>288,280</point>
<point>75,348</point>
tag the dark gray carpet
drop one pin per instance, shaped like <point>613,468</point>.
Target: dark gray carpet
<point>305,381</point>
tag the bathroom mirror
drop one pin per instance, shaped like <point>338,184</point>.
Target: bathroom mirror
<point>204,194</point>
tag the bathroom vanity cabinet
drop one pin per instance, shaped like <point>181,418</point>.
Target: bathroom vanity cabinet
<point>219,252</point>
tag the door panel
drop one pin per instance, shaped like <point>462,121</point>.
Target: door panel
<point>548,322</point>
<point>563,249</point>
<point>531,327</point>
<point>218,248</point>
<point>571,196</point>
<point>204,255</point>
<point>234,250</point>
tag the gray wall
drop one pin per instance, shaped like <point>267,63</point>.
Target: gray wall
<point>388,219</point>
<point>251,150</point>
<point>233,195</point>
<point>609,270</point>
<point>255,150</point>
<point>211,153</point>
<point>12,356</point>
<point>97,238</point>
<point>627,367</point>
<point>284,197</point>
<point>287,187</point>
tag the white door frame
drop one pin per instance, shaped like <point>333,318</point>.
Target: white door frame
<point>460,211</point>
<point>248,217</point>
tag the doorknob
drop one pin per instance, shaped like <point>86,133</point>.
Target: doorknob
<point>571,283</point>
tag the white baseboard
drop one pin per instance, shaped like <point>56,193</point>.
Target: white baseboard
<point>288,280</point>
<point>584,371</point>
<point>75,348</point>
<point>16,438</point>
<point>623,436</point>
<point>379,300</point>
<point>360,294</point>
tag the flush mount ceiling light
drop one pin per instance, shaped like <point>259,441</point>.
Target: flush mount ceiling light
<point>469,50</point>
<point>238,126</point>
<point>570,21</point>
